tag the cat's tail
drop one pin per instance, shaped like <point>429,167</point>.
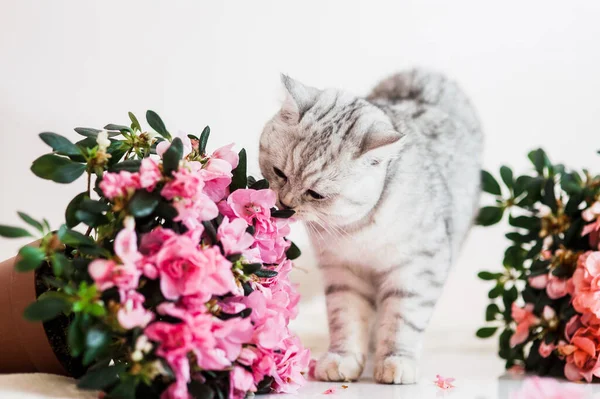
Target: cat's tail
<point>430,88</point>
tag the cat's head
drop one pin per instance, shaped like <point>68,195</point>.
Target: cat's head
<point>325,153</point>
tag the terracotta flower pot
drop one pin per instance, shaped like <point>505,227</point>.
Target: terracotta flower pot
<point>24,345</point>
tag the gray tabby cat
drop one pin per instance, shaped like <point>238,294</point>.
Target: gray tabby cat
<point>388,186</point>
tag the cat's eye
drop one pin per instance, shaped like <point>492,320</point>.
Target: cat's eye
<point>315,195</point>
<point>279,173</point>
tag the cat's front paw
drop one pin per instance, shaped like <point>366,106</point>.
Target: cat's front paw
<point>396,370</point>
<point>340,367</point>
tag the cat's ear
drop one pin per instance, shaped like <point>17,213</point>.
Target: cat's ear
<point>299,99</point>
<point>379,139</point>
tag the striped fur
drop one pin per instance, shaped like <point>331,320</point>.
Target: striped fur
<point>398,173</point>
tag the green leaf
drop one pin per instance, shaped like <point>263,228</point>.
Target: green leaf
<point>204,140</point>
<point>73,206</point>
<point>94,206</point>
<point>250,268</point>
<point>74,238</point>
<point>30,258</point>
<point>520,238</point>
<point>172,156</point>
<point>487,276</point>
<point>258,185</point>
<point>514,257</point>
<point>96,310</point>
<point>539,159</point>
<point>239,179</point>
<point>124,390</point>
<point>120,128</point>
<point>495,292</point>
<point>199,390</point>
<point>265,273</point>
<point>13,232</point>
<point>117,150</point>
<point>57,169</point>
<point>282,213</point>
<point>491,311</point>
<point>60,144</point>
<point>87,131</point>
<point>569,183</point>
<point>166,211</point>
<point>46,308</point>
<point>96,344</point>
<point>507,176</point>
<point>210,230</point>
<point>135,124</point>
<point>60,264</point>
<point>486,332</point>
<point>293,252</point>
<point>101,378</point>
<point>562,271</point>
<point>157,124</point>
<point>489,215</point>
<point>489,183</point>
<point>509,296</point>
<point>525,222</point>
<point>130,165</point>
<point>142,204</point>
<point>521,184</point>
<point>90,219</point>
<point>549,198</point>
<point>31,221</point>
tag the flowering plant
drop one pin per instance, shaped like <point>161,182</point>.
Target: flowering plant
<point>179,287</point>
<point>546,301</point>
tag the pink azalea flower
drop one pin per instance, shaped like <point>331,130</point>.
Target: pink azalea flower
<point>247,356</point>
<point>584,285</point>
<point>270,333</point>
<point>186,184</point>
<point>193,212</point>
<point>174,340</point>
<point>557,287</point>
<point>176,390</point>
<point>126,243</point>
<point>231,335</point>
<point>290,361</point>
<point>539,282</point>
<point>107,274</point>
<point>226,154</point>
<point>217,178</point>
<point>443,383</point>
<point>233,236</point>
<point>592,215</point>
<point>525,319</point>
<point>241,382</point>
<point>545,349</point>
<point>252,205</point>
<point>163,146</point>
<point>186,270</point>
<point>269,239</point>
<point>548,388</point>
<point>150,174</point>
<point>121,184</point>
<point>132,312</point>
<point>581,353</point>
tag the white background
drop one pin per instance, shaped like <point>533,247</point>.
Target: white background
<point>532,69</point>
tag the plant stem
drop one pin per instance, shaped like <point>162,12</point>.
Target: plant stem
<point>89,184</point>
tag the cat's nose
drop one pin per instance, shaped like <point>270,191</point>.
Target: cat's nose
<point>284,205</point>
